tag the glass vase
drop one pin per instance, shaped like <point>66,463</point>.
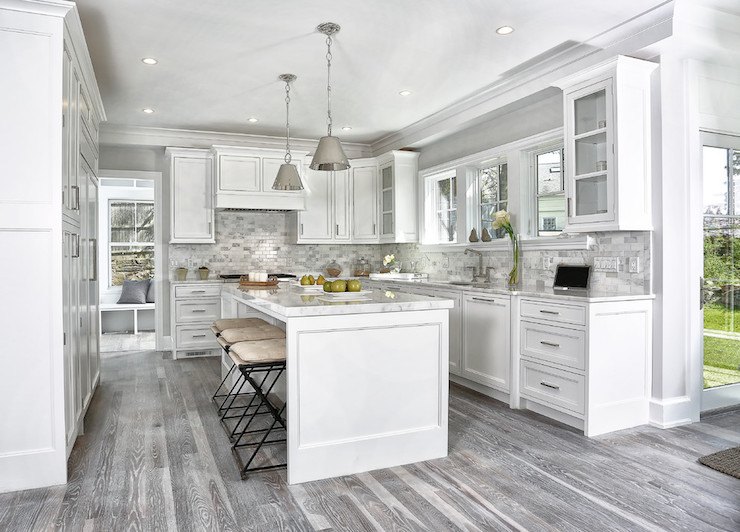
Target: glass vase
<point>515,274</point>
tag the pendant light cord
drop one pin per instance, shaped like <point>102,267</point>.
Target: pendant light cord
<point>288,157</point>
<point>328,82</point>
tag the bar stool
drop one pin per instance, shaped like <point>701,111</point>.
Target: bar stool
<point>252,358</point>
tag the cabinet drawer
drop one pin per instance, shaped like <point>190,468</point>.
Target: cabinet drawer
<point>551,343</point>
<point>198,290</point>
<point>553,312</point>
<point>196,336</point>
<point>191,311</point>
<point>553,387</point>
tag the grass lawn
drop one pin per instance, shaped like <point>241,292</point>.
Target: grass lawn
<point>721,361</point>
<point>721,318</point>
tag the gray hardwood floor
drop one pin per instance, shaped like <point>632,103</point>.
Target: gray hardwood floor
<point>154,457</point>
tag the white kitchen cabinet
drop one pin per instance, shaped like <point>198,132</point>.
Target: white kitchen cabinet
<point>364,187</point>
<point>315,224</point>
<point>455,322</point>
<point>71,331</point>
<point>244,178</point>
<point>486,357</point>
<point>191,201</point>
<point>398,216</point>
<point>608,147</point>
<point>194,307</point>
<point>342,206</point>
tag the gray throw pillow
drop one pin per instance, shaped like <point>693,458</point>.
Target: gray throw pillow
<point>134,292</point>
<point>150,292</point>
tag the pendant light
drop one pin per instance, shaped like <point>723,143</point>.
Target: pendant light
<point>287,177</point>
<point>329,153</point>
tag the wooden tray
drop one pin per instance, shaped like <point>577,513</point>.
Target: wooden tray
<point>270,283</point>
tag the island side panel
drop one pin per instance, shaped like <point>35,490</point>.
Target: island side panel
<point>365,392</point>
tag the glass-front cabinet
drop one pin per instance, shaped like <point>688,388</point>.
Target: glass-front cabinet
<point>386,200</point>
<point>607,146</point>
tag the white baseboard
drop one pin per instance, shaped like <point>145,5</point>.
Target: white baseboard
<point>485,390</point>
<point>672,412</point>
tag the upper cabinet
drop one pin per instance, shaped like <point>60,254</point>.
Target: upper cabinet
<point>244,178</point>
<point>607,146</point>
<point>373,202</point>
<point>398,196</point>
<point>191,196</point>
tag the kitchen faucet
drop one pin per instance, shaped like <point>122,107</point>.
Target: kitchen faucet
<point>480,276</point>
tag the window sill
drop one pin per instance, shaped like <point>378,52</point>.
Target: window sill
<point>579,242</point>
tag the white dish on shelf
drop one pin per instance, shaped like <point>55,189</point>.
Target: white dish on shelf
<point>308,287</point>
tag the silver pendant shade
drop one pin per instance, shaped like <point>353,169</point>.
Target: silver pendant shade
<point>287,177</point>
<point>329,153</point>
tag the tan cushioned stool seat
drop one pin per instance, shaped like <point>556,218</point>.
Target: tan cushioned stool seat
<point>237,323</point>
<point>223,343</point>
<point>215,330</point>
<point>263,331</point>
<point>259,351</point>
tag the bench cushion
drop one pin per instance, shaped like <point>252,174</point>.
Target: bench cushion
<point>260,351</point>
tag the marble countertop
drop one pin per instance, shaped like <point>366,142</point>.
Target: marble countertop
<point>588,296</point>
<point>289,300</point>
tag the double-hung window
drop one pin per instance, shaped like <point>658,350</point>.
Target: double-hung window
<point>494,195</point>
<point>550,202</point>
<point>441,227</point>
<point>131,240</point>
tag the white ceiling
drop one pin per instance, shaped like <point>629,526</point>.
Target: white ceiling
<point>219,60</point>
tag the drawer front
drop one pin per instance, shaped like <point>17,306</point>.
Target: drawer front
<point>192,311</point>
<point>551,343</point>
<point>553,387</point>
<point>199,336</point>
<point>197,290</point>
<point>553,312</point>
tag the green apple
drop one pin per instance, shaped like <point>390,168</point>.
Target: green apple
<point>327,286</point>
<point>339,285</point>
<point>354,285</point>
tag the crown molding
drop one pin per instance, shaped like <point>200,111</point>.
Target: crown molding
<point>120,135</point>
<point>52,8</point>
<point>77,38</point>
<point>627,38</point>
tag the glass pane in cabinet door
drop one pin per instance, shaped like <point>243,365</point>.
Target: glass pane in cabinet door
<point>388,224</point>
<point>387,177</point>
<point>590,112</point>
<point>591,154</point>
<point>591,195</point>
<point>387,200</point>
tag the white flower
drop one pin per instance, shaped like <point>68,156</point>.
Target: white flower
<point>501,219</point>
<point>389,259</point>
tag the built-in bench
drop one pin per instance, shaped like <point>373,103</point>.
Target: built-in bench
<point>142,314</point>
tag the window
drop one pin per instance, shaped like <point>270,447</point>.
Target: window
<point>131,240</point>
<point>494,196</point>
<point>550,201</point>
<point>444,206</point>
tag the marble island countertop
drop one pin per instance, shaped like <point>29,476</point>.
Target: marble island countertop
<point>289,300</point>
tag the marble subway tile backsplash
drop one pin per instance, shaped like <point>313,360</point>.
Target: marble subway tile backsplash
<point>248,241</point>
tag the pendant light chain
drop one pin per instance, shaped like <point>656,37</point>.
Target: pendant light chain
<point>328,82</point>
<point>288,157</point>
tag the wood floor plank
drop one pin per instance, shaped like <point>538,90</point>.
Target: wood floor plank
<point>154,456</point>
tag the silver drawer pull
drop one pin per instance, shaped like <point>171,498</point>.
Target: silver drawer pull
<point>548,385</point>
<point>199,310</point>
<point>550,312</point>
<point>199,336</point>
<point>550,344</point>
<point>484,299</point>
<point>199,291</point>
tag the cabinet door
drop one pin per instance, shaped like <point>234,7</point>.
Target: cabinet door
<point>92,281</point>
<point>67,148</point>
<point>192,208</point>
<point>69,321</point>
<point>386,201</point>
<point>486,340</point>
<point>341,205</point>
<point>239,174</point>
<point>589,154</point>
<point>315,223</point>
<point>83,360</point>
<point>365,204</point>
<point>455,324</point>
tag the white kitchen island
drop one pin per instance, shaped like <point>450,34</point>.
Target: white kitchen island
<point>367,381</point>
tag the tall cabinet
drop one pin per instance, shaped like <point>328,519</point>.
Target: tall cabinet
<point>48,319</point>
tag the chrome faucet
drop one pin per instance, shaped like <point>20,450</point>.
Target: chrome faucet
<point>480,276</point>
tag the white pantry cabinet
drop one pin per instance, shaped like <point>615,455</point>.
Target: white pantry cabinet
<point>486,357</point>
<point>191,196</point>
<point>364,185</point>
<point>608,146</point>
<point>244,178</point>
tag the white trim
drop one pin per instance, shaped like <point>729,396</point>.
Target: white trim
<point>671,412</point>
<point>53,8</point>
<point>122,135</point>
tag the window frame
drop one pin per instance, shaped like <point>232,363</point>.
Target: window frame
<point>431,196</point>
<point>478,204</point>
<point>534,233</point>
<point>112,244</point>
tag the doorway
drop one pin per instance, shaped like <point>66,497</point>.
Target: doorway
<point>721,281</point>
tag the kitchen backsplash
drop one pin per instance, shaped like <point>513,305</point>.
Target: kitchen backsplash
<point>248,241</point>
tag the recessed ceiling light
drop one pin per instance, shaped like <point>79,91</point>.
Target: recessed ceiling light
<point>505,30</point>
<point>149,61</point>
<point>148,110</point>
<point>346,128</point>
<point>252,119</point>
<point>405,93</point>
